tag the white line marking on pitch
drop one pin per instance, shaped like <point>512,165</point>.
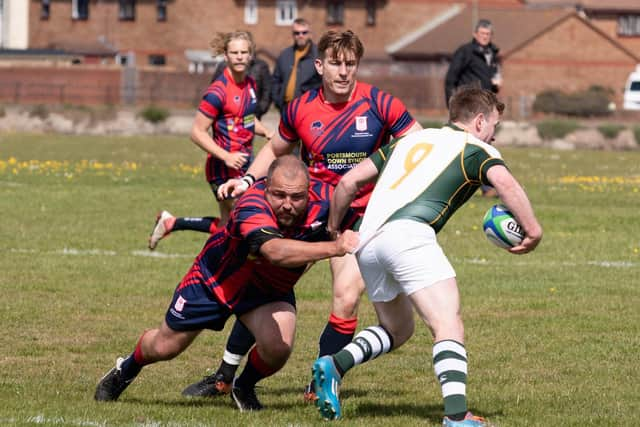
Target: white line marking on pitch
<point>99,252</point>
<point>164,255</point>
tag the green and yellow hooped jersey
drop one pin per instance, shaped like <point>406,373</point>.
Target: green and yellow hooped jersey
<point>426,176</point>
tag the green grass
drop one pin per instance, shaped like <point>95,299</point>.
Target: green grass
<point>552,336</point>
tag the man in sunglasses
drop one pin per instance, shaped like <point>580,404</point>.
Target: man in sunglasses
<point>295,72</point>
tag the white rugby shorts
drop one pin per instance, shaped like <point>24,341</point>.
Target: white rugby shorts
<point>403,257</point>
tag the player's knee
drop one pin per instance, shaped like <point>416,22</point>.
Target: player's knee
<point>400,333</point>
<point>346,299</point>
<point>166,348</point>
<point>276,353</point>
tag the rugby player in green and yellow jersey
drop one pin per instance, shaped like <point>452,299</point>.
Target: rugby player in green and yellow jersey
<point>422,179</point>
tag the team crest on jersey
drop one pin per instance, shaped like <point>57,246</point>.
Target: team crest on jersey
<point>236,99</point>
<point>179,305</point>
<point>316,127</point>
<point>361,123</point>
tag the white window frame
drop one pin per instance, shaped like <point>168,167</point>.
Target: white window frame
<point>127,10</point>
<point>335,12</point>
<point>251,12</point>
<point>75,14</point>
<point>286,12</point>
<point>629,25</point>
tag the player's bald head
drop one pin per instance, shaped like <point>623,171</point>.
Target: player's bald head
<point>288,167</point>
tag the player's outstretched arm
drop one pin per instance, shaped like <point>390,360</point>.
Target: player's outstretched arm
<point>346,191</point>
<point>275,147</point>
<point>514,197</point>
<point>262,130</point>
<point>291,253</point>
<point>233,187</point>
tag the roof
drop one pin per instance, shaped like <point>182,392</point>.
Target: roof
<point>591,5</point>
<point>200,55</point>
<point>85,48</point>
<point>34,54</point>
<point>513,28</point>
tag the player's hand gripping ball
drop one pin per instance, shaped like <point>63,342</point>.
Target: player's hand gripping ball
<point>501,228</point>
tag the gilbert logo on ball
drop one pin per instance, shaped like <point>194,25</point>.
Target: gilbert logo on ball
<point>501,228</point>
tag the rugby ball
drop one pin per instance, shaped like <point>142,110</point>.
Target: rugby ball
<point>501,228</point>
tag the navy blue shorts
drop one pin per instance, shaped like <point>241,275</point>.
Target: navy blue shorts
<point>194,307</point>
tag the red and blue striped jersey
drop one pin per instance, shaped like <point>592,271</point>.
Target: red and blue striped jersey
<point>230,260</point>
<point>232,108</point>
<point>336,137</point>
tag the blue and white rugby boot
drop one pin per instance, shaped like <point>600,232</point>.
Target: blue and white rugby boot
<point>469,420</point>
<point>327,381</point>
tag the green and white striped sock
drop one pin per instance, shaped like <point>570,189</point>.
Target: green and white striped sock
<point>450,366</point>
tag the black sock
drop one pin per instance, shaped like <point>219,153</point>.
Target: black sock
<point>332,341</point>
<point>202,224</point>
<point>130,368</point>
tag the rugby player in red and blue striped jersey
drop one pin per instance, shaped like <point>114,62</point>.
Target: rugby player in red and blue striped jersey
<point>228,108</point>
<point>338,126</point>
<point>248,269</point>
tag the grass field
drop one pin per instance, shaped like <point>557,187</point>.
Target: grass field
<point>552,336</point>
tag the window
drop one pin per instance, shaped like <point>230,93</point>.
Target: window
<point>371,12</point>
<point>127,10</point>
<point>121,59</point>
<point>335,12</point>
<point>45,9</point>
<point>251,12</point>
<point>286,12</point>
<point>157,60</point>
<point>162,10</point>
<point>80,9</point>
<point>629,25</point>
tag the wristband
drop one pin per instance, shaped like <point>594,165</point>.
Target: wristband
<point>248,179</point>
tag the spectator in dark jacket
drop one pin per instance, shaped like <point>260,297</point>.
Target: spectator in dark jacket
<point>476,61</point>
<point>259,70</point>
<point>295,71</point>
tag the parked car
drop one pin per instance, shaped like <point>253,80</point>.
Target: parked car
<point>632,91</point>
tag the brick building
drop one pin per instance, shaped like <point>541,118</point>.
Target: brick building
<point>142,51</point>
<point>541,48</point>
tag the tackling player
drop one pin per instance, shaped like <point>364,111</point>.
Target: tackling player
<point>248,269</point>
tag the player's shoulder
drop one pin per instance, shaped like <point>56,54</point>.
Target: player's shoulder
<point>306,105</point>
<point>474,143</point>
<point>254,196</point>
<point>366,90</point>
<point>218,86</point>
